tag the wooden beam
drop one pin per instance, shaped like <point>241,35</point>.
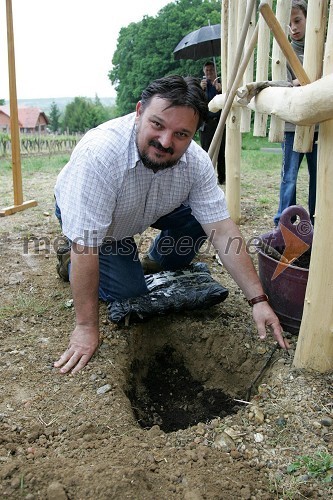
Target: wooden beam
<point>260,119</point>
<point>14,126</point>
<point>17,208</point>
<point>314,348</point>
<point>233,135</point>
<point>279,68</point>
<point>306,105</point>
<point>283,41</point>
<point>246,114</point>
<point>313,63</point>
<point>224,44</point>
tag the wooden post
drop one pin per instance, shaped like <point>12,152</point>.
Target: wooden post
<point>240,17</point>
<point>260,120</point>
<point>233,135</point>
<point>235,76</point>
<point>279,68</point>
<point>224,44</point>
<point>14,127</point>
<point>235,62</point>
<point>313,66</point>
<point>225,101</point>
<point>246,113</point>
<point>314,348</point>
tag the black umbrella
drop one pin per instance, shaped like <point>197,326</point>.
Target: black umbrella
<point>204,42</point>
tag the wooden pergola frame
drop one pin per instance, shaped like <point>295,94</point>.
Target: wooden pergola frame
<point>312,103</point>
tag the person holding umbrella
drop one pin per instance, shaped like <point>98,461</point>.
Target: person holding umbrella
<point>211,85</point>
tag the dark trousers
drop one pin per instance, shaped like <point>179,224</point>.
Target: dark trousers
<point>206,137</point>
<point>120,271</point>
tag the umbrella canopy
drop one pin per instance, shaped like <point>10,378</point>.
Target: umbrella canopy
<point>204,42</point>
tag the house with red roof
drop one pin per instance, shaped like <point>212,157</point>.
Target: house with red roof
<point>31,120</point>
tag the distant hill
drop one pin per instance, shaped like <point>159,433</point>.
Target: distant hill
<point>45,103</point>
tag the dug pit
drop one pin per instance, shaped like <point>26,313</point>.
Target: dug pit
<point>179,376</point>
<point>170,397</point>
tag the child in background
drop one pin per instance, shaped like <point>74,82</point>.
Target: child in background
<point>291,160</point>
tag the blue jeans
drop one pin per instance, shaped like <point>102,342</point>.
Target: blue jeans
<point>120,271</point>
<point>289,172</point>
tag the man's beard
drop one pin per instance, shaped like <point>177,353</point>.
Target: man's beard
<point>154,165</point>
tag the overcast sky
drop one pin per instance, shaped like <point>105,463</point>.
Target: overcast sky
<point>64,48</point>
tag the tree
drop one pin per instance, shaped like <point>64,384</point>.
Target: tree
<point>2,102</point>
<point>54,117</point>
<point>102,113</point>
<point>145,49</point>
<point>83,114</point>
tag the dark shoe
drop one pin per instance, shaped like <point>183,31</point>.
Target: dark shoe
<point>63,256</point>
<point>150,266</point>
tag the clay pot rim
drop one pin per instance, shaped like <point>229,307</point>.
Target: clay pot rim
<point>258,250</point>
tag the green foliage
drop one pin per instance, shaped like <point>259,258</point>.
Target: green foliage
<point>4,143</point>
<point>54,117</point>
<point>316,466</point>
<point>145,49</point>
<point>83,114</point>
<point>2,102</point>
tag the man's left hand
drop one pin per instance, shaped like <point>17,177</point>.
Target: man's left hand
<point>264,317</point>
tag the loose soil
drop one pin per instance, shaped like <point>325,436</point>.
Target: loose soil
<point>184,406</point>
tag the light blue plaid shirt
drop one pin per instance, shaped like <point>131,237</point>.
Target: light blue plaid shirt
<point>105,190</point>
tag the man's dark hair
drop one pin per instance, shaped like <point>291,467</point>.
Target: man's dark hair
<point>209,63</point>
<point>301,5</point>
<point>179,91</point>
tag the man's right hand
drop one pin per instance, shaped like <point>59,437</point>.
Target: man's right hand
<point>84,280</point>
<point>83,343</point>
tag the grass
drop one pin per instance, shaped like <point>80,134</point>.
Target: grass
<point>315,470</point>
<point>249,142</point>
<point>24,304</point>
<point>28,304</point>
<point>320,465</point>
<point>33,164</point>
<point>35,171</point>
<point>260,174</point>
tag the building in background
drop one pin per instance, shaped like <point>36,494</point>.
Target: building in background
<point>31,120</point>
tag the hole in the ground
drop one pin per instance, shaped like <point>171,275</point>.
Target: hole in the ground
<point>165,393</point>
